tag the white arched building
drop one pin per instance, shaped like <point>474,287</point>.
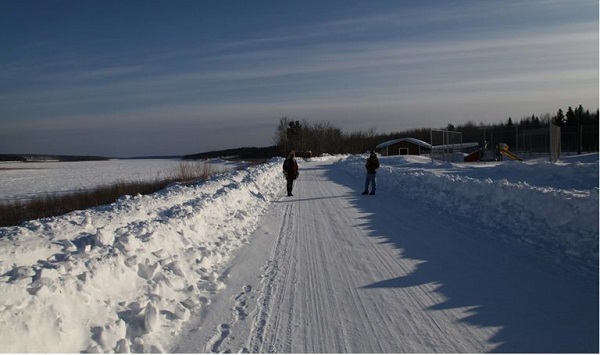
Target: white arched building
<point>413,146</point>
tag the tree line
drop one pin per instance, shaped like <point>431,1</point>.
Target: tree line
<point>579,127</point>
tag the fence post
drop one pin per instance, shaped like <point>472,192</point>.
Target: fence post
<point>554,143</point>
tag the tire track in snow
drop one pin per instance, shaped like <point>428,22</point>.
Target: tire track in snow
<point>302,306</point>
<point>320,317</point>
<point>285,286</point>
<point>344,315</point>
<point>315,299</point>
<point>251,300</point>
<point>271,280</point>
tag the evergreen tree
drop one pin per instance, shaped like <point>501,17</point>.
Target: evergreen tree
<point>579,118</point>
<point>579,112</point>
<point>571,119</point>
<point>559,119</point>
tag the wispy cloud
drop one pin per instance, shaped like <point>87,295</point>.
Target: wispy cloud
<point>400,63</point>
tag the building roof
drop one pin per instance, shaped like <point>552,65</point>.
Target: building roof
<point>427,145</point>
<point>456,145</point>
<point>410,140</point>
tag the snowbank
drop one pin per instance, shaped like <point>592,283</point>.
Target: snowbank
<point>124,277</point>
<point>552,206</point>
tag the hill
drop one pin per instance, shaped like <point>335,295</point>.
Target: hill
<point>246,153</point>
<point>46,157</point>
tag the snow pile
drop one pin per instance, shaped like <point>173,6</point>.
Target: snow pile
<point>553,206</point>
<point>124,277</point>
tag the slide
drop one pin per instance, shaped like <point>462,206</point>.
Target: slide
<point>508,153</point>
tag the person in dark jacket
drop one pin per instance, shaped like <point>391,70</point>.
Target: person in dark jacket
<point>290,170</point>
<point>372,165</point>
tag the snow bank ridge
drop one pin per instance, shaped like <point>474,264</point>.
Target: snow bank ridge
<point>552,206</point>
<point>129,274</point>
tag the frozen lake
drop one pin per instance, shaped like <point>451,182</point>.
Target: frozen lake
<point>20,180</point>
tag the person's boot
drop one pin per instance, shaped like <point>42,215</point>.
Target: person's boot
<point>365,192</point>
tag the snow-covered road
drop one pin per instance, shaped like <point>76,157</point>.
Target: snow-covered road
<point>331,271</point>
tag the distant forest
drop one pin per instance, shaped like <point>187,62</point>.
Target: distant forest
<point>46,157</point>
<point>579,133</point>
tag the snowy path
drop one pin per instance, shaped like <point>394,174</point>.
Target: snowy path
<point>332,271</point>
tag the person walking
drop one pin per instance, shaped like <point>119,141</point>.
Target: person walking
<point>372,165</point>
<point>290,170</point>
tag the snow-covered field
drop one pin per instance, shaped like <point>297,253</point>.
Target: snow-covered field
<point>25,180</point>
<point>132,276</point>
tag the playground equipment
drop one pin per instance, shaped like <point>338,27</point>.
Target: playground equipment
<point>503,149</point>
<point>484,154</point>
<point>473,157</point>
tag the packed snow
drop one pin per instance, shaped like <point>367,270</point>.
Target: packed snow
<point>142,274</point>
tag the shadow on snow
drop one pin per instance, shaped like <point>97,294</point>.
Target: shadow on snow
<point>537,305</point>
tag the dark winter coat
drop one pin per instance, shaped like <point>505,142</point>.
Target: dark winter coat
<point>290,169</point>
<point>372,164</point>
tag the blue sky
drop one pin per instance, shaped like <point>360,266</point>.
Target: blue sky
<point>130,78</point>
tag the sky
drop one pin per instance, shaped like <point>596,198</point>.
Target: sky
<point>137,78</point>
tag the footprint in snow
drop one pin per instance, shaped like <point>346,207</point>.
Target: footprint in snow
<point>222,333</point>
<point>241,303</point>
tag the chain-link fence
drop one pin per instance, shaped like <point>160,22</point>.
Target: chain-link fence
<point>531,141</point>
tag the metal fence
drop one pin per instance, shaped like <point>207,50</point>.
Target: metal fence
<point>446,145</point>
<point>537,140</point>
<point>521,142</point>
